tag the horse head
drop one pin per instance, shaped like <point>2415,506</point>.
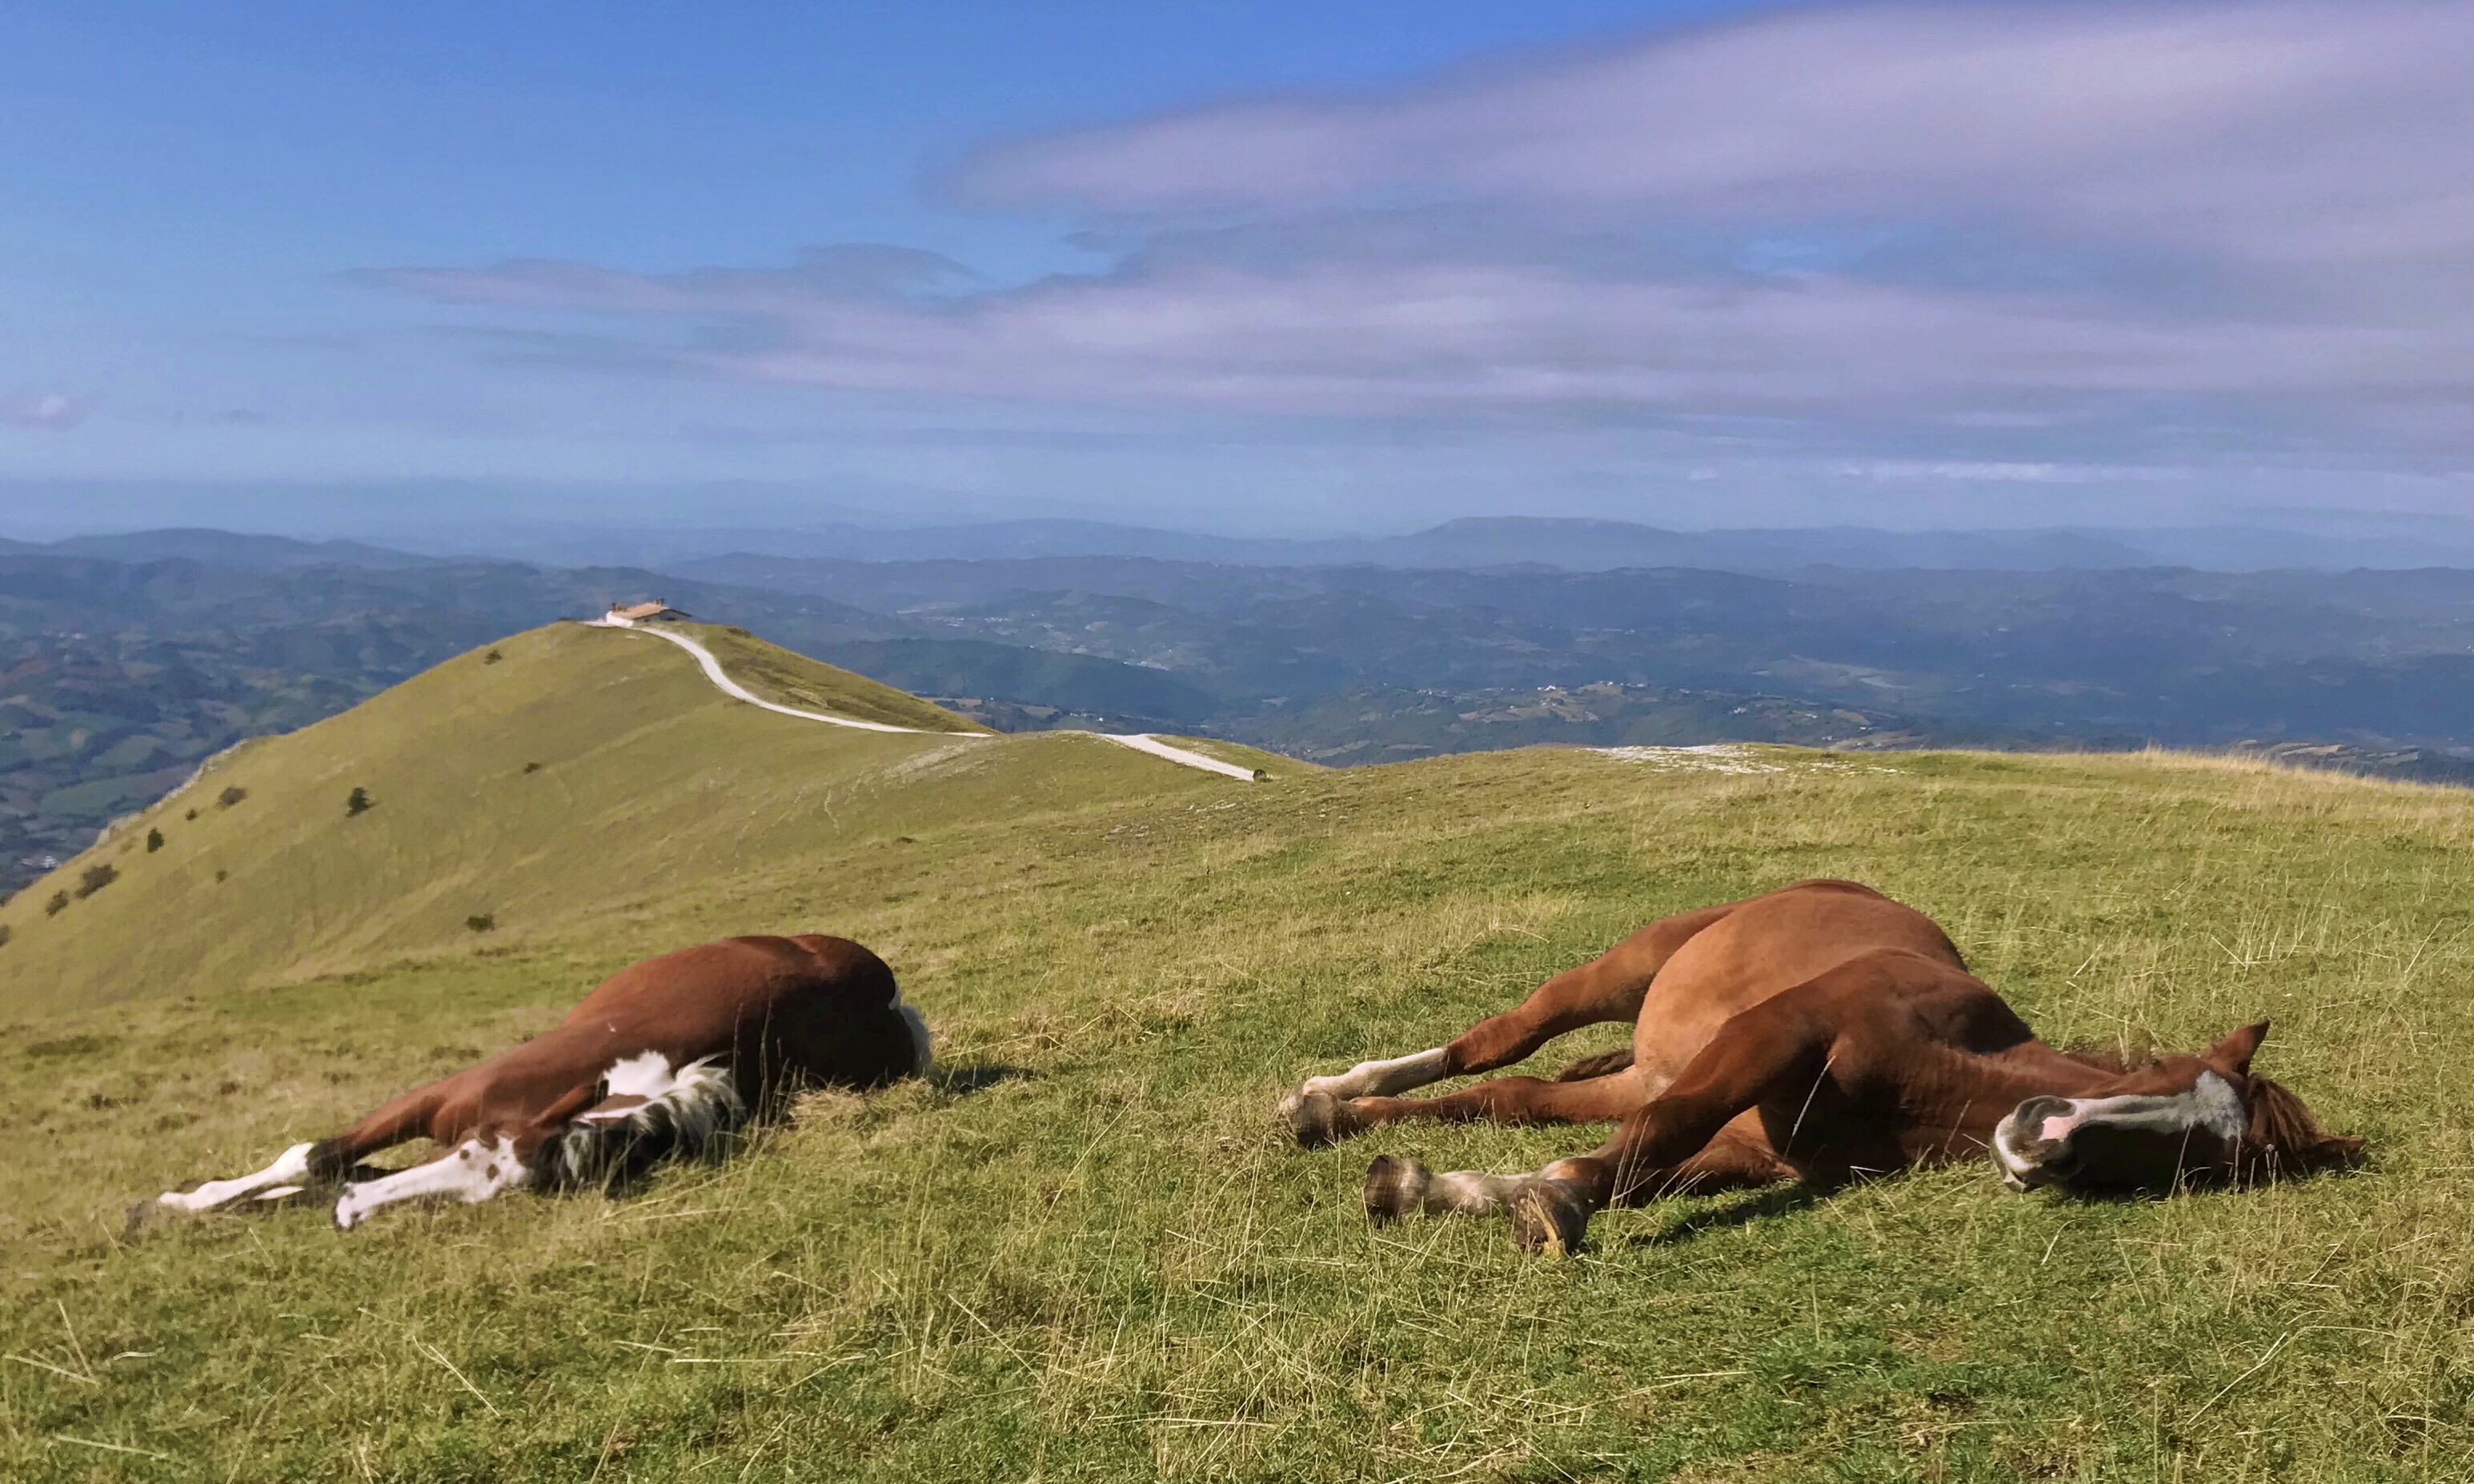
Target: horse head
<point>2182,1120</point>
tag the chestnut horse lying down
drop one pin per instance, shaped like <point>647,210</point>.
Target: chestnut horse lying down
<point>1822,1031</point>
<point>661,1060</point>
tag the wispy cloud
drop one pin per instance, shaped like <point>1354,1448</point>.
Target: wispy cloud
<point>2344,126</point>
<point>2156,221</point>
<point>51,411</point>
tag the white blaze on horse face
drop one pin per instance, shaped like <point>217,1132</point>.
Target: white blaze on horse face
<point>1379,1078</point>
<point>2210,1105</point>
<point>472,1172</point>
<point>289,1168</point>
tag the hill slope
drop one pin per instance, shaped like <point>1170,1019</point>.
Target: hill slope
<point>551,777</point>
<point>1086,1249</point>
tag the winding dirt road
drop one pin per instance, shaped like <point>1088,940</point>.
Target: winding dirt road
<point>1140,741</point>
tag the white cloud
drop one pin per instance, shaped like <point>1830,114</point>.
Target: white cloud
<point>2159,221</point>
<point>2277,129</point>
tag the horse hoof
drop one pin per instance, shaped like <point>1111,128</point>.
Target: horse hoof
<point>1315,1118</point>
<point>1395,1187</point>
<point>1547,1217</point>
<point>140,1216</point>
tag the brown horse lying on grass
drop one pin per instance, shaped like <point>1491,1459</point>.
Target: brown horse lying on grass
<point>1822,1031</point>
<point>663,1059</point>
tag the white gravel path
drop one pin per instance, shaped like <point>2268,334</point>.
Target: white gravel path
<point>1140,741</point>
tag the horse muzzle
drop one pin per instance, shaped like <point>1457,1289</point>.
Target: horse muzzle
<point>2026,1158</point>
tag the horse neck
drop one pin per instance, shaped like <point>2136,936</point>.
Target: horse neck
<point>2033,1069</point>
<point>1980,1088</point>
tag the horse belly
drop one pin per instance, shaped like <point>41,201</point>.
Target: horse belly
<point>1765,948</point>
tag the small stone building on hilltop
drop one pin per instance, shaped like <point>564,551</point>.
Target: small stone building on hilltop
<point>629,615</point>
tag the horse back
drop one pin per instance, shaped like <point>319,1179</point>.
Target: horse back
<point>780,1011</point>
<point>1765,946</point>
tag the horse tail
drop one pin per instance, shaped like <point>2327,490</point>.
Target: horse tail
<point>686,1115</point>
<point>1603,1065</point>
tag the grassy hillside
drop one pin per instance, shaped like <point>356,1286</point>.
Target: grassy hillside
<point>567,775</point>
<point>1086,1250</point>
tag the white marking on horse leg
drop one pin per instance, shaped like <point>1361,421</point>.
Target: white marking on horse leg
<point>289,1166</point>
<point>1470,1192</point>
<point>1375,1078</point>
<point>472,1172</point>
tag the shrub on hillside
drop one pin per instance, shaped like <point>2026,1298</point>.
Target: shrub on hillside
<point>231,795</point>
<point>57,905</point>
<point>191,815</point>
<point>491,658</point>
<point>96,878</point>
<point>481,922</point>
<point>153,841</point>
<point>4,935</point>
<point>532,768</point>
<point>359,802</point>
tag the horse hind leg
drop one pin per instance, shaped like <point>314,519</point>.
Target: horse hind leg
<point>1585,996</point>
<point>1303,1107</point>
<point>303,1167</point>
<point>1504,1100</point>
<point>1607,988</point>
<point>288,1175</point>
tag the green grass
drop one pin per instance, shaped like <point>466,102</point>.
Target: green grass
<point>1086,1250</point>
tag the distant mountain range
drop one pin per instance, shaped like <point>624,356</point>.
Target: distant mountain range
<point>125,660</point>
<point>224,548</point>
<point>1568,544</point>
<point>1467,545</point>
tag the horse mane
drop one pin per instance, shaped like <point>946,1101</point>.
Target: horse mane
<point>2283,1141</point>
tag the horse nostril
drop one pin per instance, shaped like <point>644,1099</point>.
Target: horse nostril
<point>2032,1115</point>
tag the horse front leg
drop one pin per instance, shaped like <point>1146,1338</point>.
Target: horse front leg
<point>472,1172</point>
<point>1547,1215</point>
<point>489,1162</point>
<point>1773,1052</point>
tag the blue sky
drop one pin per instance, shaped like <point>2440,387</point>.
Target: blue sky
<point>1244,266</point>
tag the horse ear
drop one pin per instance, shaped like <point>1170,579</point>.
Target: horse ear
<point>2233,1054</point>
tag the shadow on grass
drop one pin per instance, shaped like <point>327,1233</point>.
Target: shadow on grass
<point>1775,1201</point>
<point>963,1081</point>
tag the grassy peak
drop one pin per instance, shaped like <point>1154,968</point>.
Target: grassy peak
<point>787,679</point>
